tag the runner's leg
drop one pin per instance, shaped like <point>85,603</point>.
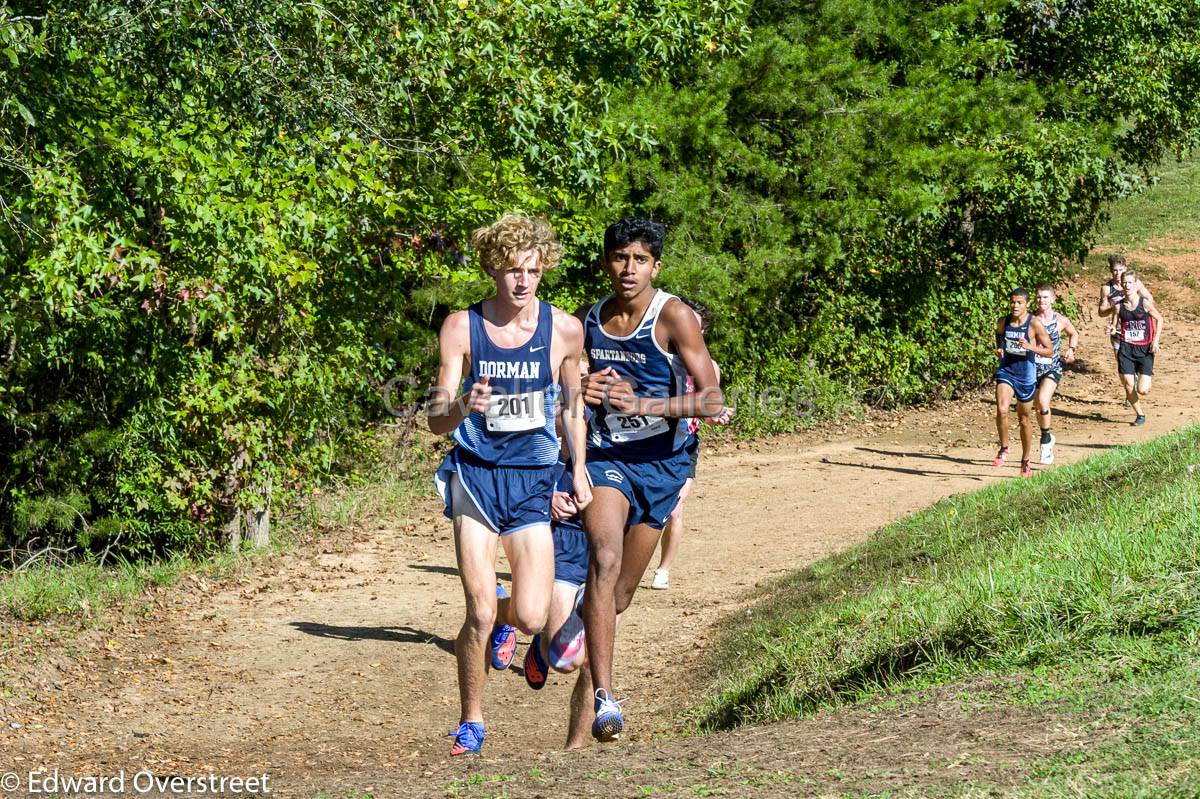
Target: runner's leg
<point>1024,412</point>
<point>1043,399</point>
<point>530,554</point>
<point>640,543</point>
<point>475,548</point>
<point>672,534</point>
<point>604,520</point>
<point>1004,397</point>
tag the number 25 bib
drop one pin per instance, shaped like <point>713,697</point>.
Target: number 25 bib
<point>624,427</point>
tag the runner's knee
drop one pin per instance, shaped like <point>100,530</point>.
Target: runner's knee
<point>528,619</point>
<point>606,561</point>
<point>480,617</point>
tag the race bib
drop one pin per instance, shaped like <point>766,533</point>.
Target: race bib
<point>1013,346</point>
<point>515,413</point>
<point>622,428</point>
<point>1136,332</point>
<point>1043,360</point>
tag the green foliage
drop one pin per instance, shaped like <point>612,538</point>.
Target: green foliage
<point>224,226</point>
<point>870,179</point>
<point>1084,562</point>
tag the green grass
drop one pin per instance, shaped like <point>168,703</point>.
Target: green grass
<point>1096,560</point>
<point>1169,207</point>
<point>88,591</point>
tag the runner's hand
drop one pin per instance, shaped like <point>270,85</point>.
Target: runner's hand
<point>724,417</point>
<point>583,492</point>
<point>480,396</point>
<point>595,385</point>
<point>1153,347</point>
<point>607,388</point>
<point>562,506</point>
<point>1068,355</point>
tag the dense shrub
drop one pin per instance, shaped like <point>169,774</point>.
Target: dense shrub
<point>224,226</point>
<point>869,179</point>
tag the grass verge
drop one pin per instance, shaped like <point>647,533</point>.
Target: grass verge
<point>86,591</point>
<point>1168,207</point>
<point>1086,563</point>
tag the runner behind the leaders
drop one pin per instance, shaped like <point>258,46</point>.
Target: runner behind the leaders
<point>1050,369</point>
<point>1019,337</point>
<point>1138,326</point>
<point>673,532</point>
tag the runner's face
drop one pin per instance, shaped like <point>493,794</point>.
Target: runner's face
<point>1129,283</point>
<point>517,285</point>
<point>1045,301</point>
<point>631,268</point>
<point>1019,305</point>
<point>1117,271</point>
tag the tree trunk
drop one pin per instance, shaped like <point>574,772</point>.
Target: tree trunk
<point>258,520</point>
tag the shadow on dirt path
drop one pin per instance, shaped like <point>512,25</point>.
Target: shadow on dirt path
<point>331,669</point>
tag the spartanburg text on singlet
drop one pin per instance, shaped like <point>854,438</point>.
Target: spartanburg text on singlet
<point>654,372</point>
<point>518,428</point>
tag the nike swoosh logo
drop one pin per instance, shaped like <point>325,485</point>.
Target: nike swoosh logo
<point>536,349</point>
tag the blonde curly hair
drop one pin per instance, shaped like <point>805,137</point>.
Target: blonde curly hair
<point>499,242</point>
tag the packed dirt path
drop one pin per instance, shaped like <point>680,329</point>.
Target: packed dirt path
<point>331,669</point>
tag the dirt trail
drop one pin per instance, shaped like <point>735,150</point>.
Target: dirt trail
<point>332,670</point>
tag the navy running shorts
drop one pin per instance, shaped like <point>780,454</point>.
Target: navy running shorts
<point>1024,390</point>
<point>570,554</point>
<point>651,487</point>
<point>505,498</point>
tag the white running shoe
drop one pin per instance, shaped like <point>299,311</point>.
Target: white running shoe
<point>1048,451</point>
<point>662,580</point>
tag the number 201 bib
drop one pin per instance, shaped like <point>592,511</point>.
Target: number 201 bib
<point>514,413</point>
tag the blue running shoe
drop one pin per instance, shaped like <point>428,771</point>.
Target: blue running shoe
<point>609,721</point>
<point>468,738</point>
<point>535,664</point>
<point>504,639</point>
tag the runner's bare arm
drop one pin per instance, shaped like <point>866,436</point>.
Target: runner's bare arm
<point>445,409</point>
<point>569,330</point>
<point>1041,339</point>
<point>1152,309</point>
<point>1000,338</point>
<point>1064,324</point>
<point>1107,306</point>
<point>679,327</point>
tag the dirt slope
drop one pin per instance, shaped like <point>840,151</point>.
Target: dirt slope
<point>332,670</point>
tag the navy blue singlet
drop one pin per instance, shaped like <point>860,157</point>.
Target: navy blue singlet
<point>653,371</point>
<point>518,428</point>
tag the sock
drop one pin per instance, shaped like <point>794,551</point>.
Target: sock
<point>1046,436</point>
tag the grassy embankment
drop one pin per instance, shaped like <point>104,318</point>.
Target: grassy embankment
<point>1082,586</point>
